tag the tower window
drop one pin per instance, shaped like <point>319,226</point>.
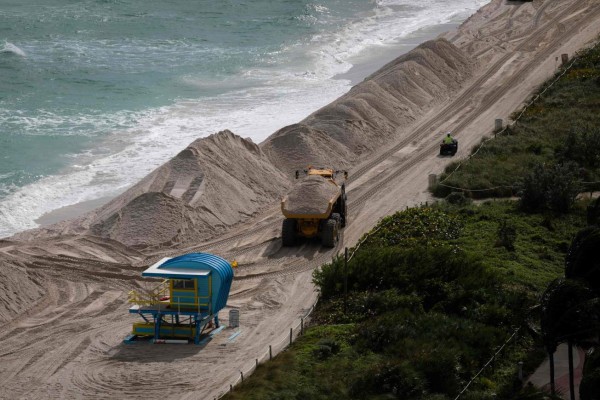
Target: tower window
<point>183,284</point>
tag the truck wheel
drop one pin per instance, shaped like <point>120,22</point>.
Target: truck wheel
<point>330,233</point>
<point>288,232</point>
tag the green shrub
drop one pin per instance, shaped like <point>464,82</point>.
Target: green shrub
<point>550,187</point>
<point>326,348</point>
<point>397,378</point>
<point>458,199</point>
<point>582,146</point>
<point>441,369</point>
<point>507,235</point>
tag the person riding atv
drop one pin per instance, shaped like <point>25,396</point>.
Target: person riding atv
<point>449,145</point>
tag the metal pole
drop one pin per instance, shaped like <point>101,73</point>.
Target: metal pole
<point>242,375</point>
<point>256,362</point>
<point>270,353</point>
<point>291,330</point>
<point>571,383</point>
<point>552,383</point>
<point>345,279</point>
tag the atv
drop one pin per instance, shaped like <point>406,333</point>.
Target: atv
<point>449,149</point>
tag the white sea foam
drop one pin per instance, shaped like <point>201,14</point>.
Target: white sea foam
<point>13,49</point>
<point>276,97</point>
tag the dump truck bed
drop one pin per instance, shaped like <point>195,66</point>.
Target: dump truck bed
<point>312,197</point>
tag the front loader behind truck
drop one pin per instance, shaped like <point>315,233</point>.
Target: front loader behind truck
<point>315,207</point>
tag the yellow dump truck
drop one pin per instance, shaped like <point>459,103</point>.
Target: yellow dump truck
<point>315,207</point>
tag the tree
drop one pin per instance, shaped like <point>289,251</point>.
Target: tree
<point>569,313</point>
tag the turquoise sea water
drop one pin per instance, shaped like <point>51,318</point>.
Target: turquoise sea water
<point>94,94</point>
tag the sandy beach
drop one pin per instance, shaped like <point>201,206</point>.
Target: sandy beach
<point>63,297</point>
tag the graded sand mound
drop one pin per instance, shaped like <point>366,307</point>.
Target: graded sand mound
<point>19,290</point>
<point>297,146</point>
<point>148,218</point>
<point>211,185</point>
<point>370,113</point>
<point>310,196</point>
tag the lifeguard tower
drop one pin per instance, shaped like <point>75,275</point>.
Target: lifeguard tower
<point>195,288</point>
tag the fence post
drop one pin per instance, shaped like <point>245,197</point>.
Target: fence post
<point>242,375</point>
<point>521,371</point>
<point>270,353</point>
<point>301,326</point>
<point>230,387</point>
<point>291,330</point>
<point>257,363</point>
<point>498,126</point>
<point>432,180</point>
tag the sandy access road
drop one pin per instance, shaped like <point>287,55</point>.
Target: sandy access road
<point>66,343</point>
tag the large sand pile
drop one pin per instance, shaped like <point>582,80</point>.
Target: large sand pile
<point>369,115</point>
<point>211,185</point>
<point>311,195</point>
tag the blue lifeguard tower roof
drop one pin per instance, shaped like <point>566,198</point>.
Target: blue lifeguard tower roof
<point>197,265</point>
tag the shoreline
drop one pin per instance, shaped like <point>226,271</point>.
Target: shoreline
<point>377,57</point>
<point>362,67</point>
<point>71,211</point>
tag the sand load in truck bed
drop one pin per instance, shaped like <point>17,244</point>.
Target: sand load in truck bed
<point>313,196</point>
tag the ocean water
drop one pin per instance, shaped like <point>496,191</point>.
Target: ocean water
<point>95,94</point>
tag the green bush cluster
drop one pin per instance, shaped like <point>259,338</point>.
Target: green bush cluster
<point>550,188</point>
<point>433,314</point>
<point>414,226</point>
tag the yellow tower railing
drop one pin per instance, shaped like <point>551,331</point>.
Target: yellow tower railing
<point>152,297</point>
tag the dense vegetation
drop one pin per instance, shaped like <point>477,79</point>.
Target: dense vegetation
<point>432,294</point>
<point>434,291</point>
<point>558,136</point>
